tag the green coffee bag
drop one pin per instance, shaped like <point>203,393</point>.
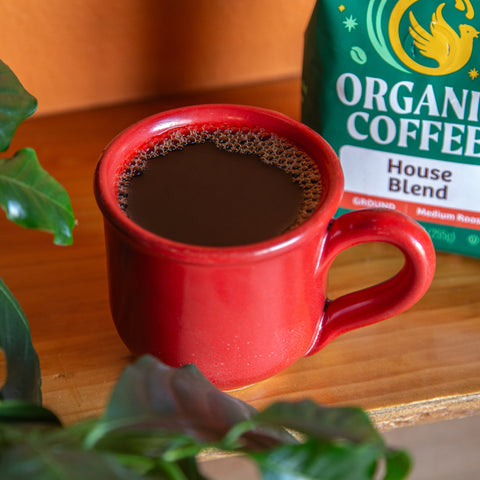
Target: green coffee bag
<point>394,87</point>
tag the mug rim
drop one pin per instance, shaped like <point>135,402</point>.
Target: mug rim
<point>135,138</point>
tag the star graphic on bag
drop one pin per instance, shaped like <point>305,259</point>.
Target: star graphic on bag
<point>473,73</point>
<point>350,23</point>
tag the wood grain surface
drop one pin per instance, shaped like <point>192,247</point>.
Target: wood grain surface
<point>421,366</point>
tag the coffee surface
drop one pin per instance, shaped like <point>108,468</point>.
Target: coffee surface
<point>211,193</point>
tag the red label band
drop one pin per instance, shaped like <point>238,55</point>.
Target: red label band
<point>418,211</point>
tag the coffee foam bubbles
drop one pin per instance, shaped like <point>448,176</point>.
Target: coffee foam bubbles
<point>269,147</point>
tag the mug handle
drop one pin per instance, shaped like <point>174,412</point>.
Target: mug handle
<point>386,299</point>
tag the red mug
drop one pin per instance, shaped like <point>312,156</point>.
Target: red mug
<point>244,313</point>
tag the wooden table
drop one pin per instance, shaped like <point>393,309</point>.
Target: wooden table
<point>421,366</point>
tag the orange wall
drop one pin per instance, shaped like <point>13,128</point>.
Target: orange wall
<point>79,53</point>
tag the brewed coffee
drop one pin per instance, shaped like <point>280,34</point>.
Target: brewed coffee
<point>217,187</point>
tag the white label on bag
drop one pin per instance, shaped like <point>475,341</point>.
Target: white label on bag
<point>426,189</point>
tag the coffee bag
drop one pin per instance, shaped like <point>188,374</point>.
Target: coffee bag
<point>394,87</point>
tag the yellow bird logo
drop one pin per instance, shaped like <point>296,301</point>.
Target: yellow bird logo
<point>451,50</point>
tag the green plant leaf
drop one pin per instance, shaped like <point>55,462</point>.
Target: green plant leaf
<point>179,401</point>
<point>186,469</point>
<point>317,421</point>
<point>17,411</point>
<point>397,465</point>
<point>23,367</point>
<point>316,460</point>
<point>34,199</point>
<point>41,461</point>
<point>334,432</point>
<point>170,415</point>
<point>177,394</point>
<point>41,449</point>
<point>16,104</point>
